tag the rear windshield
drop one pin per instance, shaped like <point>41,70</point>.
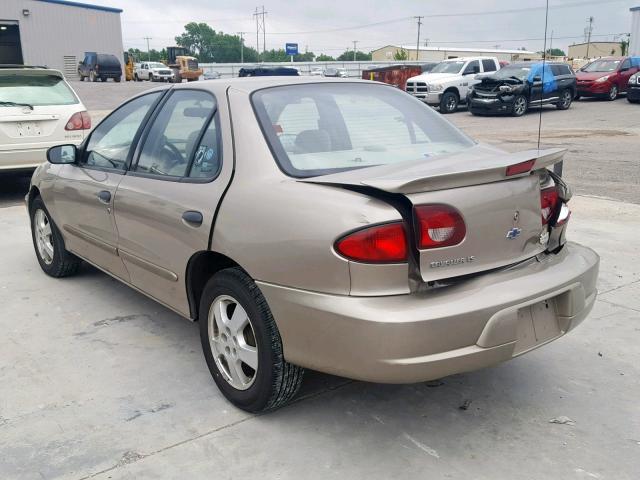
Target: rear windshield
<point>318,129</point>
<point>108,60</point>
<point>36,90</point>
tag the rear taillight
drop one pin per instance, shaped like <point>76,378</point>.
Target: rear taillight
<point>548,203</point>
<point>378,244</point>
<point>79,121</point>
<point>438,226</point>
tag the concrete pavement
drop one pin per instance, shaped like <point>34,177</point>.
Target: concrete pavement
<point>97,381</point>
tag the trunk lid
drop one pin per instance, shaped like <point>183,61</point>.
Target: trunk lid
<point>502,213</point>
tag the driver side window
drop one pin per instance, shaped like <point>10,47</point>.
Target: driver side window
<point>110,142</point>
<point>175,133</point>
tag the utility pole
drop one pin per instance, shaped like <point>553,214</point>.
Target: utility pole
<point>241,46</point>
<point>418,41</point>
<point>589,30</point>
<point>260,26</point>
<point>148,51</point>
<point>355,42</point>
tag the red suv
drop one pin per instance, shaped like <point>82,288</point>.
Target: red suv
<point>605,77</point>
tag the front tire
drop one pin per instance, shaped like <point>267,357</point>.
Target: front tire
<point>92,76</point>
<point>613,93</point>
<point>242,345</point>
<point>520,105</point>
<point>449,102</point>
<point>566,97</point>
<point>48,243</point>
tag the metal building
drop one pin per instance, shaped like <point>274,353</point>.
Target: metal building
<point>436,54</point>
<point>634,44</point>
<point>57,33</point>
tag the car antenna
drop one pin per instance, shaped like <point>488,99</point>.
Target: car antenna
<point>544,61</point>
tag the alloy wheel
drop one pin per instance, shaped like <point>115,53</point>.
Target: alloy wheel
<point>233,342</point>
<point>451,103</point>
<point>43,235</point>
<point>613,93</point>
<point>519,106</point>
<point>566,99</point>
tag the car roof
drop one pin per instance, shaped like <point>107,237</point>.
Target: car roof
<point>13,69</point>
<point>251,84</point>
<point>466,59</point>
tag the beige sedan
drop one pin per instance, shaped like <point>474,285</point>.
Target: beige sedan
<point>341,226</point>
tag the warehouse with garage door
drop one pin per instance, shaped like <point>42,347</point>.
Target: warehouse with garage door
<point>57,33</point>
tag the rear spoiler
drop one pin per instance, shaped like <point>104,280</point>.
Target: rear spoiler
<point>475,166</point>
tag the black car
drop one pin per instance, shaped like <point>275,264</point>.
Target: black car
<point>633,88</point>
<point>100,66</point>
<point>514,88</point>
<point>267,72</point>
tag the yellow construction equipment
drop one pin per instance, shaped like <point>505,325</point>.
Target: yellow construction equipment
<point>182,64</point>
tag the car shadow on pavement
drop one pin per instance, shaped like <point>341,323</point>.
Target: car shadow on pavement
<point>13,188</point>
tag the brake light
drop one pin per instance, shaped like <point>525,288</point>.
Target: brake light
<point>520,168</point>
<point>79,121</point>
<point>548,203</point>
<point>378,244</point>
<point>438,226</point>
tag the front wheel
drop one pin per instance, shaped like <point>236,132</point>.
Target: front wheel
<point>613,93</point>
<point>92,76</point>
<point>633,100</point>
<point>52,256</point>
<point>449,102</point>
<point>117,79</point>
<point>519,106</point>
<point>566,97</point>
<point>242,344</point>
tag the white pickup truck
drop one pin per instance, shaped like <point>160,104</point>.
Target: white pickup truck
<point>447,84</point>
<point>152,71</point>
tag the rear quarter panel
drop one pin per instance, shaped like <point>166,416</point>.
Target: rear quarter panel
<point>282,231</point>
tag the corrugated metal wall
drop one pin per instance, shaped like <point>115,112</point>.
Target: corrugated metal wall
<point>52,34</point>
<point>634,45</point>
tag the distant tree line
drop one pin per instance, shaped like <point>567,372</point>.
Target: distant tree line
<point>210,46</point>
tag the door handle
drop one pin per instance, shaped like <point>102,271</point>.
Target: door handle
<point>192,218</point>
<point>104,196</point>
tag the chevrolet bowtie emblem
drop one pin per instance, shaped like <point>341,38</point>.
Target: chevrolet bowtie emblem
<point>513,233</point>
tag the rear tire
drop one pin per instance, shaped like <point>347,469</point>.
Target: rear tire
<point>449,102</point>
<point>228,335</point>
<point>566,97</point>
<point>633,100</point>
<point>136,77</point>
<point>48,243</point>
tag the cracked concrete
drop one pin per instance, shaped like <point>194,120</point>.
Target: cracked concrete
<point>134,400</point>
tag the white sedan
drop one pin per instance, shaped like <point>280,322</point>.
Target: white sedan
<point>38,109</point>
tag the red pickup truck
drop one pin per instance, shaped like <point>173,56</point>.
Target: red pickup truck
<point>605,77</point>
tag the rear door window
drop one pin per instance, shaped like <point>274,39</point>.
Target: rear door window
<point>174,134</point>
<point>489,65</point>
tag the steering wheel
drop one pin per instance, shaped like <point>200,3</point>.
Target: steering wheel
<point>171,153</point>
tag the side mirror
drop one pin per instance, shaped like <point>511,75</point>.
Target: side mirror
<point>61,154</point>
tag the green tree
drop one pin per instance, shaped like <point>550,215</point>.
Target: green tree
<point>624,46</point>
<point>348,56</point>
<point>325,58</point>
<point>555,52</point>
<point>401,55</point>
<point>211,46</point>
<point>153,55</point>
